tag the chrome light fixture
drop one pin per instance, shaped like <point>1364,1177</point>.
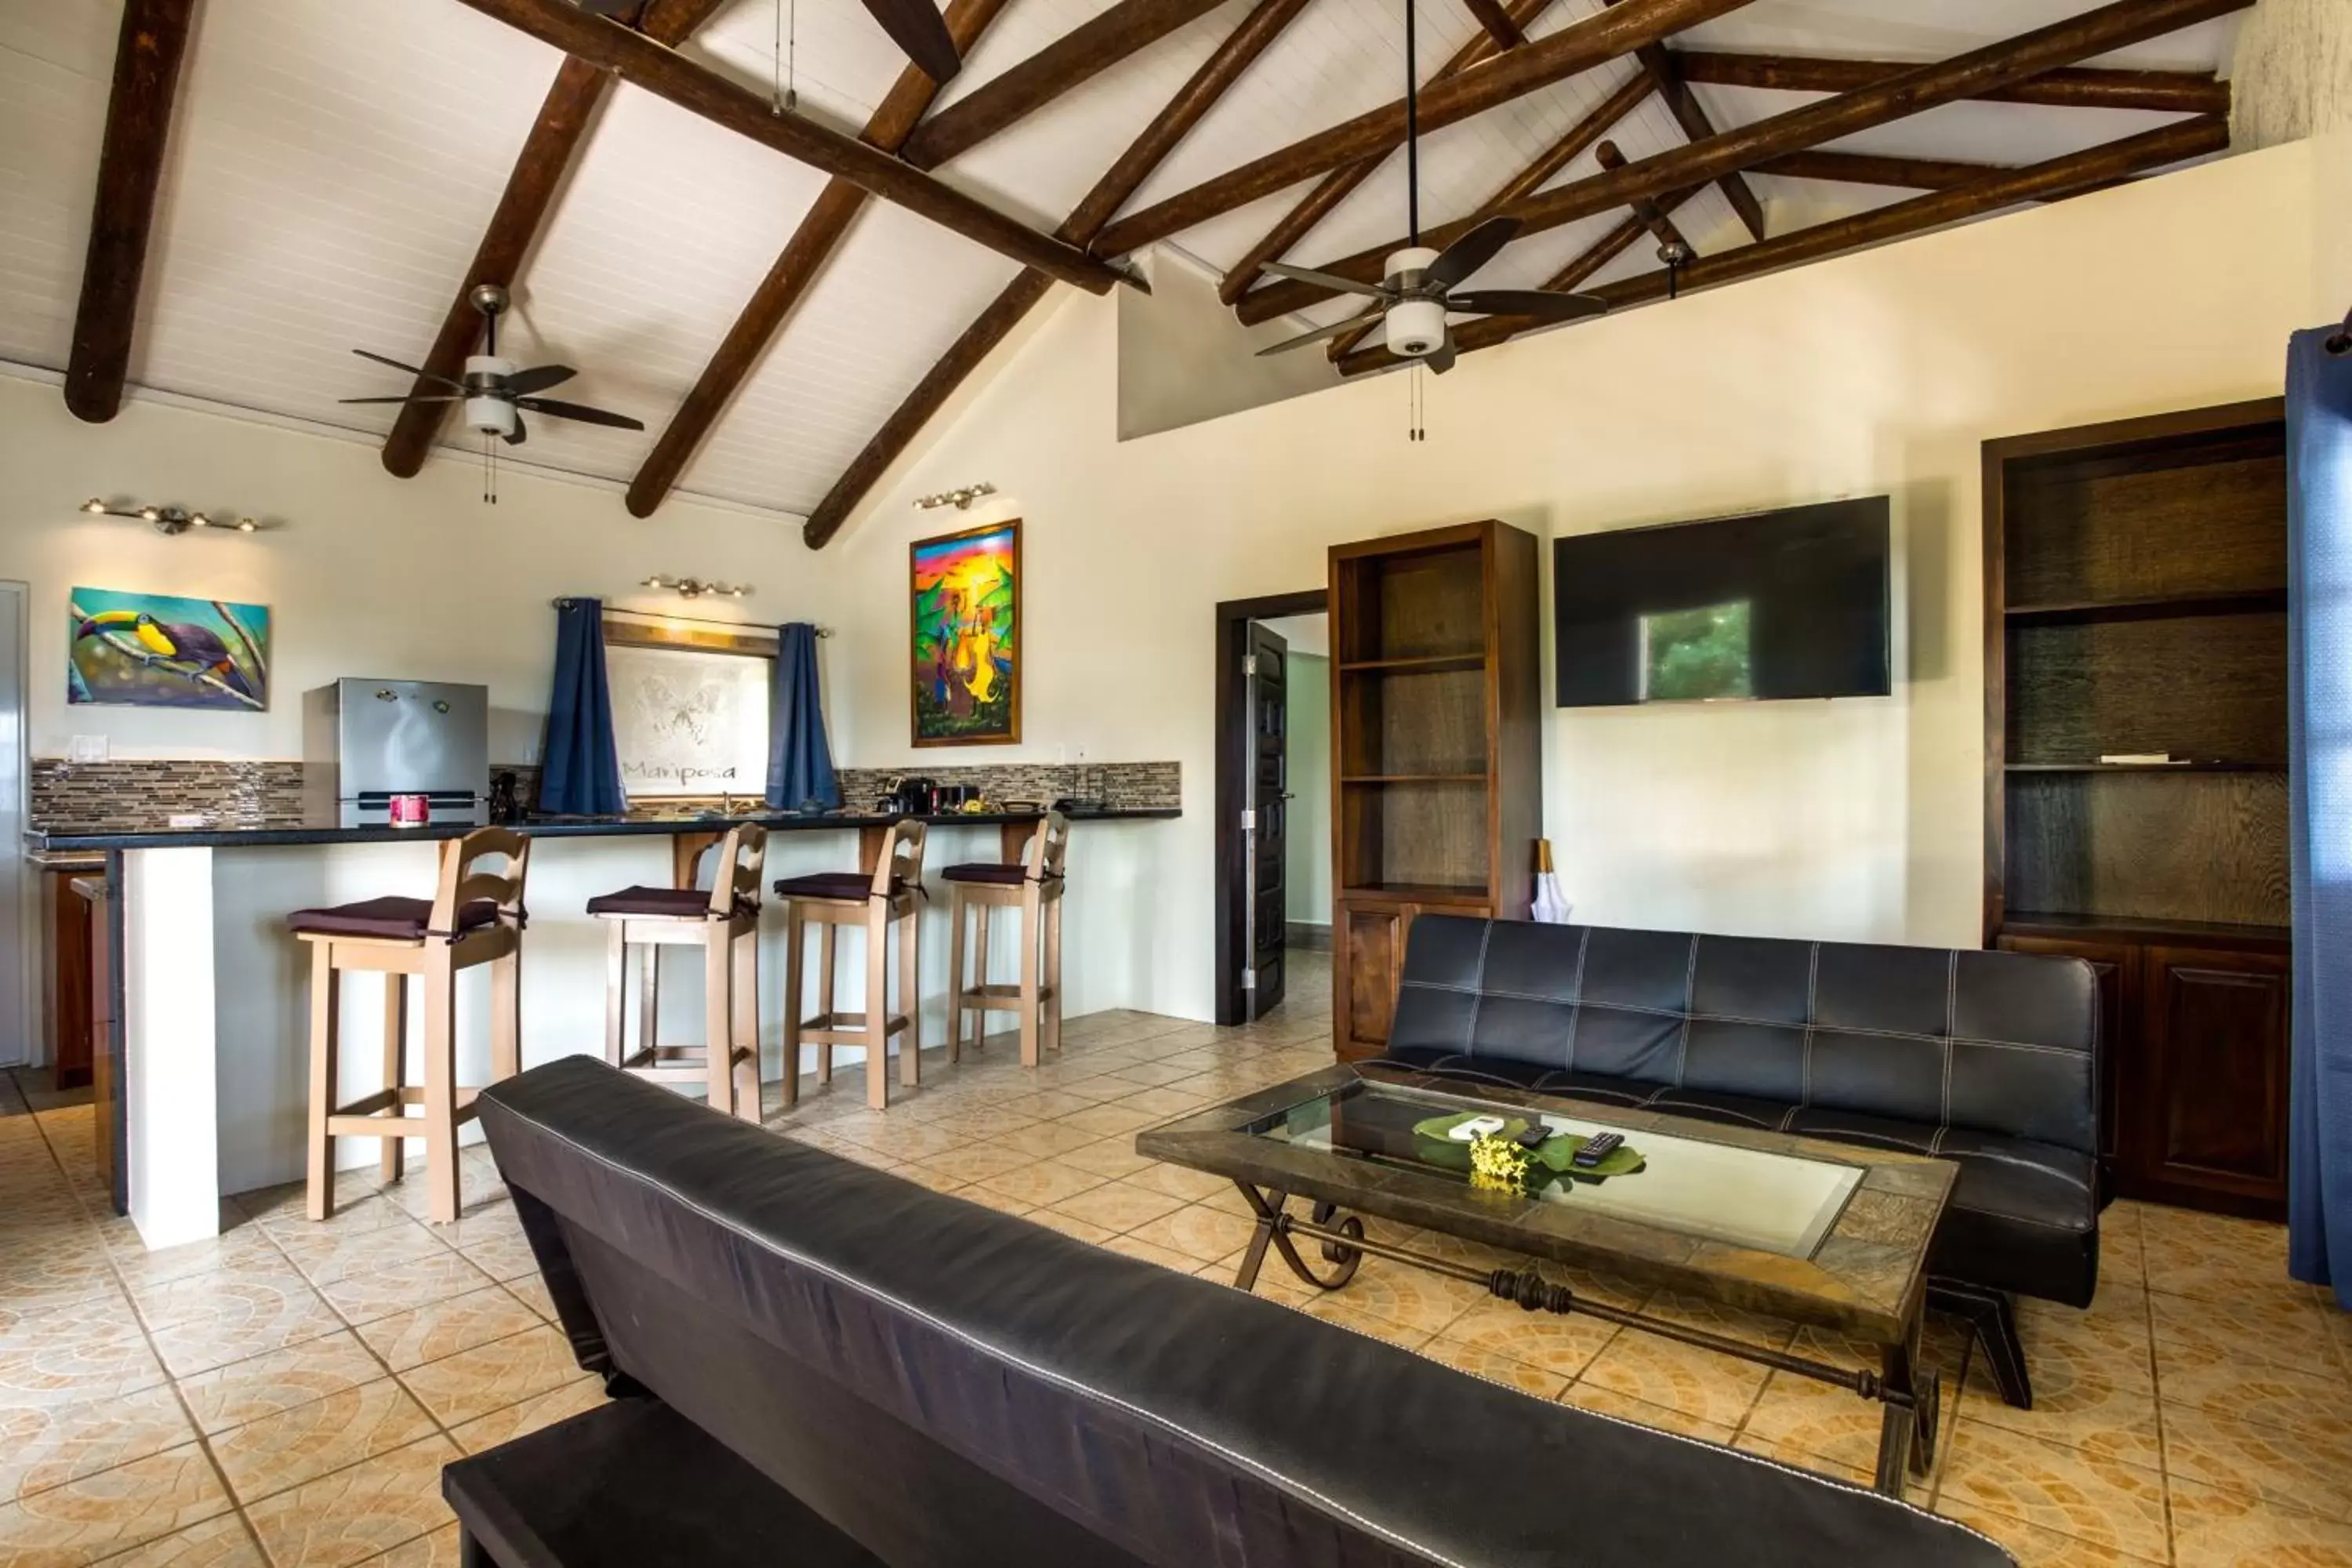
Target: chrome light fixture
<point>959,498</point>
<point>174,521</point>
<point>696,588</point>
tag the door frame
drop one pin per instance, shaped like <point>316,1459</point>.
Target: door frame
<point>32,946</point>
<point>1234,617</point>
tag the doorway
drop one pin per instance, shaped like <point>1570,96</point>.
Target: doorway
<point>1273,810</point>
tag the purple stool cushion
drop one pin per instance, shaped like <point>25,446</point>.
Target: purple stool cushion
<point>675,903</point>
<point>989,871</point>
<point>839,885</point>
<point>392,920</point>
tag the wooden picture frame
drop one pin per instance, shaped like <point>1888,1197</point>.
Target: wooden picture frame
<point>689,686</point>
<point>949,701</point>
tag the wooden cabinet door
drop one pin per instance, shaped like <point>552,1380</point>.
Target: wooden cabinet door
<point>2121,1069</point>
<point>2214,1117</point>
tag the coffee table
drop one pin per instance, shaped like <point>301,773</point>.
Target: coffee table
<point>1821,1233</point>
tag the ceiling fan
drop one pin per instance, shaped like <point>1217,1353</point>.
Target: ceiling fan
<point>1417,286</point>
<point>495,391</point>
<point>915,25</point>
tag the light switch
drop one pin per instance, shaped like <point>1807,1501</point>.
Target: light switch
<point>86,749</point>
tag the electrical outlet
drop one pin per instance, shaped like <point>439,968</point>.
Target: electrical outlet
<point>86,749</point>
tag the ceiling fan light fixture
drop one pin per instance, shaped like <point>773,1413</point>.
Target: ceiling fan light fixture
<point>1414,328</point>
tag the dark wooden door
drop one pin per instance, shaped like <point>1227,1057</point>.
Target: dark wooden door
<point>1266,831</point>
<point>2213,1119</point>
<point>2121,1069</point>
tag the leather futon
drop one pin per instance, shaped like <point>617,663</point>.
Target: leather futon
<point>828,1364</point>
<point>1986,1059</point>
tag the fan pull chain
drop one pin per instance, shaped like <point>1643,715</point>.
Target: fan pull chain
<point>785,59</point>
<point>1416,405</point>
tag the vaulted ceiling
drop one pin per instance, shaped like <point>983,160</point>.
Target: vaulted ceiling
<point>333,169</point>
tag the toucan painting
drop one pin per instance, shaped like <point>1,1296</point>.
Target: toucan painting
<point>159,651</point>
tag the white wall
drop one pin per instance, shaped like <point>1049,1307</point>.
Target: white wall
<point>369,576</point>
<point>1880,373</point>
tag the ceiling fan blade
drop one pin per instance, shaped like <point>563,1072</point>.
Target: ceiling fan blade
<point>520,435</point>
<point>1319,333</point>
<point>413,370</point>
<point>429,397</point>
<point>916,27</point>
<point>579,411</point>
<point>1538,303</point>
<point>1472,251</point>
<point>538,378</point>
<point>1322,279</point>
<point>1441,359</point>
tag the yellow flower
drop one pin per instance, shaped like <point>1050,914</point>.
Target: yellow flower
<point>1498,1163</point>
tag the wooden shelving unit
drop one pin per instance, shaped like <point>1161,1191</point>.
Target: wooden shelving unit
<point>2135,603</point>
<point>1436,722</point>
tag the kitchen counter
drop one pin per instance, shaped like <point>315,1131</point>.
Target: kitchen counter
<point>209,1019</point>
<point>44,845</point>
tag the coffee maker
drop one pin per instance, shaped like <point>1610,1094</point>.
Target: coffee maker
<point>909,796</point>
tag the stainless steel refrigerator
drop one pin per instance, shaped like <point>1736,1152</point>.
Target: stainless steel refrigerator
<point>366,740</point>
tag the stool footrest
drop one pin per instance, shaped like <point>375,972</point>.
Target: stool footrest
<point>847,1028</point>
<point>351,1122</point>
<point>997,997</point>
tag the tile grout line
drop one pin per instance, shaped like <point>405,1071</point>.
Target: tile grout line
<point>138,1318</point>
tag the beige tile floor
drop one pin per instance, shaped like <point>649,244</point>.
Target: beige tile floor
<point>287,1394</point>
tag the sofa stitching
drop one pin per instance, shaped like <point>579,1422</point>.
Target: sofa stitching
<point>1690,996</point>
<point>1478,1000</point>
<point>864,1288</point>
<point>1951,1022</point>
<point>1577,1006</point>
<point>1576,985</point>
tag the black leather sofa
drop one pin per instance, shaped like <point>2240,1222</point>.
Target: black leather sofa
<point>826,1364</point>
<point>1986,1059</point>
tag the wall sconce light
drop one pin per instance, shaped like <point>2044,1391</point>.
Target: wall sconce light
<point>696,588</point>
<point>959,498</point>
<point>172,521</point>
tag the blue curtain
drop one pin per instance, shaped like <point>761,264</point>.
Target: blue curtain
<point>2319,750</point>
<point>580,768</point>
<point>800,764</point>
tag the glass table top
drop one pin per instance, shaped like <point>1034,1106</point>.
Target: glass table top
<point>1782,1203</point>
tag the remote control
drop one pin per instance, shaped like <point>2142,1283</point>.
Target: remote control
<point>1533,1138</point>
<point>1597,1148</point>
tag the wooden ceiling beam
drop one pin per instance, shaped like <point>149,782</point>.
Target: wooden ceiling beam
<point>1631,94</point>
<point>1579,47</point>
<point>1199,94</point>
<point>1078,56</point>
<point>1499,23</point>
<point>1665,68</point>
<point>1341,183</point>
<point>1870,169</point>
<point>821,231</point>
<point>2111,26</point>
<point>539,172</point>
<point>2055,179</point>
<point>2165,92</point>
<point>1650,213</point>
<point>666,73</point>
<point>148,50</point>
<point>1609,247</point>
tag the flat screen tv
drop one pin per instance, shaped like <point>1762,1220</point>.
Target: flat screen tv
<point>1773,605</point>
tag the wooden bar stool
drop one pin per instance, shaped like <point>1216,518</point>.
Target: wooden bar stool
<point>892,896</point>
<point>725,923</point>
<point>475,917</point>
<point>1033,886</point>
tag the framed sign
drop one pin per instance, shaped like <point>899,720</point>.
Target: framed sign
<point>965,637</point>
<point>156,650</point>
<point>689,710</point>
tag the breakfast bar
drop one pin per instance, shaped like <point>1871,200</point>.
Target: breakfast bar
<point>209,996</point>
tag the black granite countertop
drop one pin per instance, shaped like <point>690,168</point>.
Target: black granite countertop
<point>44,845</point>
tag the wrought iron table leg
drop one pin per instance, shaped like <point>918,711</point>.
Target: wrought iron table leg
<point>1267,1208</point>
<point>1907,1432</point>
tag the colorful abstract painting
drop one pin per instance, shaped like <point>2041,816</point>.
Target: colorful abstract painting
<point>153,650</point>
<point>967,659</point>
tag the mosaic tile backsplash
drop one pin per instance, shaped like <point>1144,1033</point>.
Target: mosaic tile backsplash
<point>121,796</point>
